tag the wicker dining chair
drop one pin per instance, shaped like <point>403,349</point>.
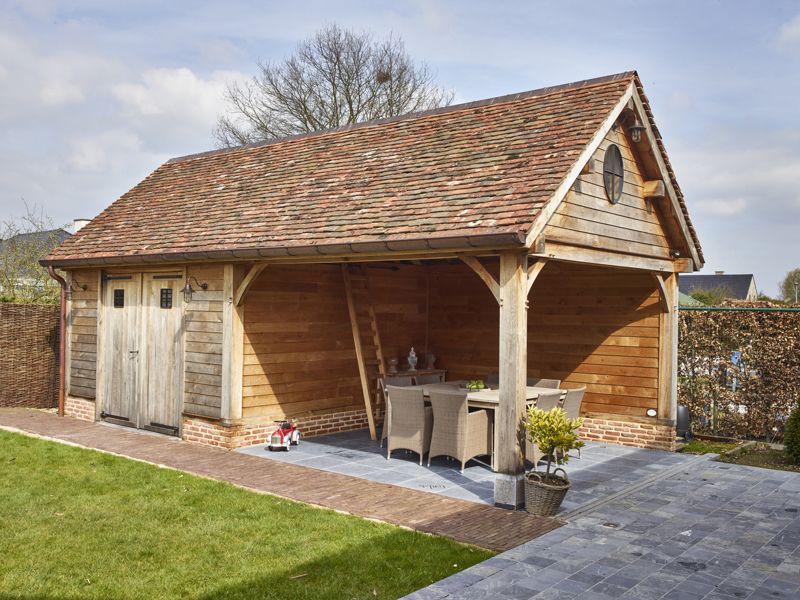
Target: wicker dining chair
<point>427,378</point>
<point>572,405</point>
<point>546,401</point>
<point>410,421</point>
<point>457,432</point>
<point>545,383</point>
<point>382,383</point>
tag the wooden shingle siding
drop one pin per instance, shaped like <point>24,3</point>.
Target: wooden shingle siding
<point>203,343</point>
<point>82,340</point>
<point>588,218</point>
<point>586,325</point>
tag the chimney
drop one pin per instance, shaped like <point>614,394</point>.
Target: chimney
<point>719,272</point>
<point>79,224</point>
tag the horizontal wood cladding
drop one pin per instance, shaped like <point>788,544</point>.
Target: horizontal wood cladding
<point>82,340</point>
<point>587,325</point>
<point>202,394</point>
<point>588,218</point>
<point>299,355</point>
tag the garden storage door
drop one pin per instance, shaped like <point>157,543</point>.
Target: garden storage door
<point>120,348</point>
<point>161,352</point>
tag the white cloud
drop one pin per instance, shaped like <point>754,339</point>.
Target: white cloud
<point>789,33</point>
<point>742,172</point>
<point>175,93</point>
<point>108,150</point>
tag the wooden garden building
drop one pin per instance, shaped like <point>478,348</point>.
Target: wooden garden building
<point>537,234</point>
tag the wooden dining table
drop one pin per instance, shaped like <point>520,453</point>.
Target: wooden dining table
<point>488,399</point>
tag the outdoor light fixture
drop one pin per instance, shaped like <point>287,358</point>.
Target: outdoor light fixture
<point>187,289</point>
<point>636,130</point>
<point>675,253</point>
<point>651,412</point>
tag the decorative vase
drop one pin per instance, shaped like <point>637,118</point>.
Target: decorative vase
<point>412,360</point>
<point>392,366</point>
<point>545,493</point>
<point>430,360</point>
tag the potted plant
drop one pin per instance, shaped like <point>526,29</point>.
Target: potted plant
<point>552,432</point>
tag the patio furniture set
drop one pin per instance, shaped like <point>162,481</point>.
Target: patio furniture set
<point>427,415</point>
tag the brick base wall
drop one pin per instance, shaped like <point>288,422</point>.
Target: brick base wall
<point>214,433</point>
<point>654,436</point>
<point>79,408</point>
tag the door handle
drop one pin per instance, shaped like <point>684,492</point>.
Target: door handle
<point>133,353</point>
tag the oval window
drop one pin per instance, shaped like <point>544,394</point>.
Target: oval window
<point>613,174</point>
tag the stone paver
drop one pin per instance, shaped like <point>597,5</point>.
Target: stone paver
<point>601,470</point>
<point>469,522</point>
<point>712,531</point>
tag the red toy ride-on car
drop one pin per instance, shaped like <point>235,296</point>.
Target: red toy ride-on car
<point>285,436</point>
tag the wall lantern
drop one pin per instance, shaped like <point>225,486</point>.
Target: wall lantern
<point>636,130</point>
<point>187,289</point>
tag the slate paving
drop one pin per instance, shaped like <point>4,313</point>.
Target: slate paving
<point>710,531</point>
<point>602,468</point>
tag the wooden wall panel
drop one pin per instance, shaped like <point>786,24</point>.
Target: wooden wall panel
<point>299,356</point>
<point>587,217</point>
<point>82,338</point>
<point>202,394</point>
<point>587,325</point>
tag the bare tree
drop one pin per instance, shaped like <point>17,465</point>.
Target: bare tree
<point>337,77</point>
<point>23,242</point>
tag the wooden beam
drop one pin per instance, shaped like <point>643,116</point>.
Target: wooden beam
<point>362,367</point>
<point>604,258</point>
<point>663,294</point>
<point>563,189</point>
<point>668,352</point>
<point>248,280</point>
<point>533,272</point>
<point>654,189</point>
<point>487,278</point>
<point>509,457</point>
<point>232,345</point>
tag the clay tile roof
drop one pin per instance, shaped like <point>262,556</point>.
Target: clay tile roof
<point>471,174</point>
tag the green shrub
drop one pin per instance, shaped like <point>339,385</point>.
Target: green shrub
<point>552,430</point>
<point>791,436</point>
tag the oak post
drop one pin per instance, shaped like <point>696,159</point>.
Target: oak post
<point>232,345</point>
<point>509,458</point>
<point>668,350</point>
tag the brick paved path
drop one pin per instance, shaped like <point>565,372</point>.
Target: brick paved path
<point>468,522</point>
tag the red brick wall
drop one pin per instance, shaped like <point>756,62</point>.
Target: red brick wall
<point>639,435</point>
<point>79,408</point>
<point>213,433</point>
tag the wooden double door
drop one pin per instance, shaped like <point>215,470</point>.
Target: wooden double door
<point>142,351</point>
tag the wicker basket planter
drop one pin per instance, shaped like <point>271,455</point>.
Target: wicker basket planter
<point>545,493</point>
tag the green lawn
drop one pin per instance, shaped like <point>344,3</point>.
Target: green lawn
<point>697,446</point>
<point>76,523</point>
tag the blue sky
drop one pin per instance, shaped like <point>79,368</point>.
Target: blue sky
<point>94,95</point>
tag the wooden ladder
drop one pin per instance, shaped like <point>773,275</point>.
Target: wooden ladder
<point>369,355</point>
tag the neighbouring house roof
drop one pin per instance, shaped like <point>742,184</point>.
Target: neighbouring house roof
<point>475,174</point>
<point>738,286</point>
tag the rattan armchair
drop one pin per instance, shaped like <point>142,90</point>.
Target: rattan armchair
<point>546,401</point>
<point>410,421</point>
<point>382,383</point>
<point>545,383</point>
<point>458,433</point>
<point>572,405</point>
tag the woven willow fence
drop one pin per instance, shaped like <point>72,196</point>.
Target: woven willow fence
<point>29,355</point>
<point>739,369</point>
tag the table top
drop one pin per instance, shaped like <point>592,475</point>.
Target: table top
<point>482,396</point>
